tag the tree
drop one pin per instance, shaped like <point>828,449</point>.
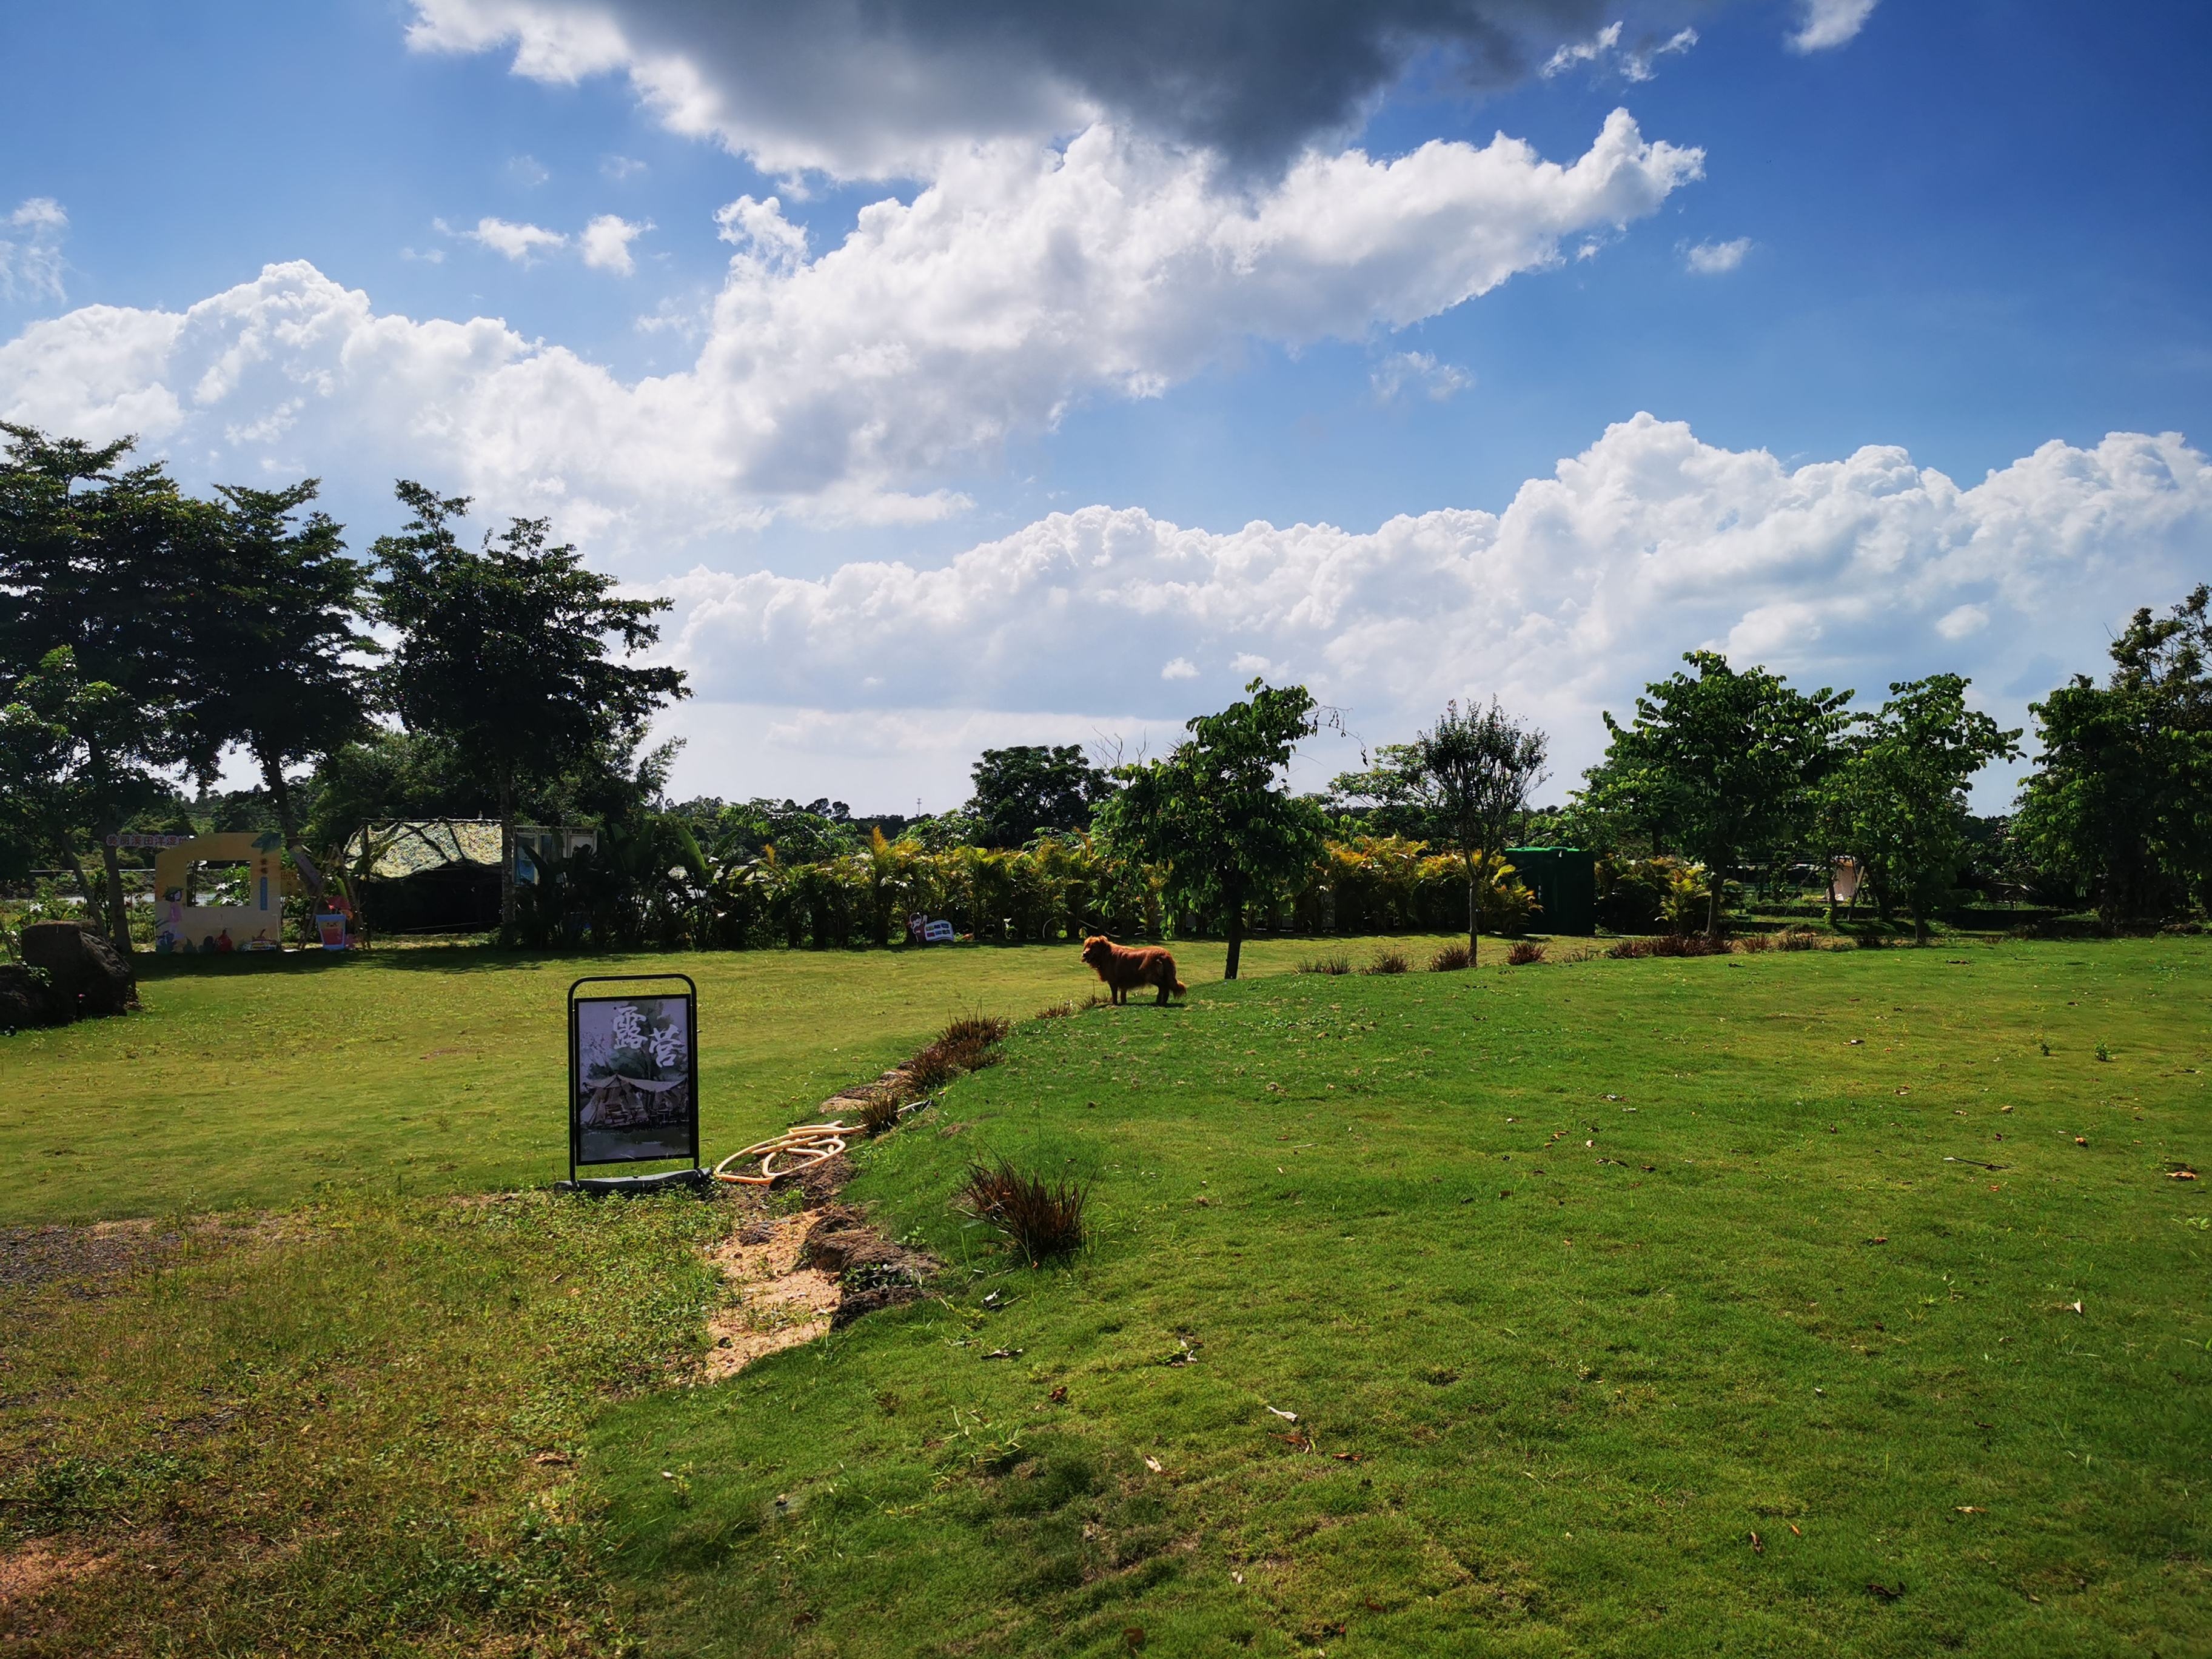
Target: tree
<point>1031,790</point>
<point>278,664</point>
<point>2121,799</point>
<point>509,654</point>
<point>101,560</point>
<point>1899,798</point>
<point>1214,811</point>
<point>1719,764</point>
<point>53,725</point>
<point>1462,784</point>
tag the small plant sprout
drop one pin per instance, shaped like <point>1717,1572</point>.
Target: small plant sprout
<point>2104,1053</point>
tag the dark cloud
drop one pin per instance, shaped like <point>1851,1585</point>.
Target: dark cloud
<point>865,84</point>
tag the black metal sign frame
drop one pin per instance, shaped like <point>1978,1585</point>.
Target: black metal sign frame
<point>576,1005</point>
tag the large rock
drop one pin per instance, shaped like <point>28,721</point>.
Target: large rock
<point>89,974</point>
<point>27,1000</point>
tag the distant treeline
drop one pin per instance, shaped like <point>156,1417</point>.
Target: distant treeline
<point>147,636</point>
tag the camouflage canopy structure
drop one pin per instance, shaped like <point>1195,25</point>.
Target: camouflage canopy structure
<point>395,851</point>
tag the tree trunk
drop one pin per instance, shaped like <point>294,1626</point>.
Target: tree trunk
<point>84,882</point>
<point>280,797</point>
<point>1473,917</point>
<point>1236,932</point>
<point>118,918</point>
<point>507,897</point>
<point>1713,902</point>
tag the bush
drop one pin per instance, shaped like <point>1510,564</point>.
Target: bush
<point>1751,943</point>
<point>1451,959</point>
<point>1797,938</point>
<point>1668,944</point>
<point>1043,1219</point>
<point>1525,954</point>
<point>1388,962</point>
<point>1331,965</point>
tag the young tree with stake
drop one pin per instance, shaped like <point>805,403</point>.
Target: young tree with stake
<point>1461,783</point>
<point>1214,809</point>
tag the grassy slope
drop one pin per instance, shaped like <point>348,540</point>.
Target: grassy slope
<point>250,1081</point>
<point>1576,1388</point>
<point>352,1430</point>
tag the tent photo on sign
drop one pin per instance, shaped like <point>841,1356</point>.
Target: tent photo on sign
<point>634,1081</point>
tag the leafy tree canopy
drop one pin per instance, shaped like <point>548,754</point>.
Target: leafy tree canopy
<point>278,662</point>
<point>101,559</point>
<point>2121,799</point>
<point>1031,790</point>
<point>1719,764</point>
<point>512,653</point>
<point>1896,799</point>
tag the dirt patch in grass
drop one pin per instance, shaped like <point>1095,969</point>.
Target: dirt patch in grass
<point>27,1571</point>
<point>87,1256</point>
<point>780,1304</point>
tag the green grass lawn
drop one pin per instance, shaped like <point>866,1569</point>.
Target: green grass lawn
<point>1655,1307</point>
<point>258,1081</point>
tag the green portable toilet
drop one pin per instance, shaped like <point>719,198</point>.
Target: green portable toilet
<point>1564,882</point>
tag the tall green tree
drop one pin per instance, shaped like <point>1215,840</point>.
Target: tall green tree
<point>512,653</point>
<point>100,558</point>
<point>280,665</point>
<point>53,724</point>
<point>1215,811</point>
<point>1462,784</point>
<point>1034,789</point>
<point>2120,802</point>
<point>1719,764</point>
<point>1897,797</point>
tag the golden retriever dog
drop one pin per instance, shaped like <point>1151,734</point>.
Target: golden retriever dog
<point>1125,969</point>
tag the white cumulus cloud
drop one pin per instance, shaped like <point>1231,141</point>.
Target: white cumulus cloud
<point>606,243</point>
<point>1409,371</point>
<point>31,251</point>
<point>1590,582</point>
<point>1714,259</point>
<point>841,383</point>
<point>518,242</point>
<point>1604,50</point>
<point>1826,23</point>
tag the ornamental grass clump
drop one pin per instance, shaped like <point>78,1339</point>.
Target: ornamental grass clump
<point>968,1044</point>
<point>1525,954</point>
<point>879,1112</point>
<point>1451,959</point>
<point>1330,965</point>
<point>1388,962</point>
<point>1042,1219</point>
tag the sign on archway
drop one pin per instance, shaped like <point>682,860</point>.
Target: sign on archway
<point>633,1071</point>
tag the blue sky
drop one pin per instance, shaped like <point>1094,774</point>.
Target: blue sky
<point>1955,235</point>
